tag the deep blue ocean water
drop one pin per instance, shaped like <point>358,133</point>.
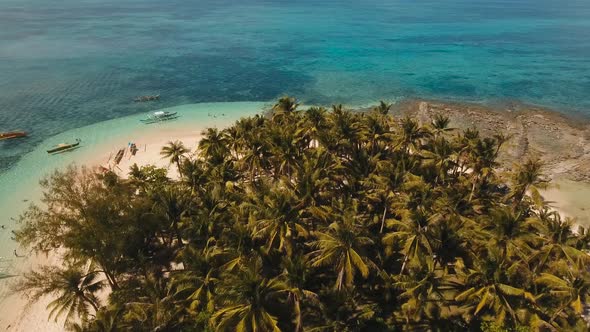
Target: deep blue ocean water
<point>66,64</point>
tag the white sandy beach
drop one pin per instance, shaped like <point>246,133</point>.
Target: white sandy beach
<point>17,316</point>
<point>15,312</point>
<point>568,197</point>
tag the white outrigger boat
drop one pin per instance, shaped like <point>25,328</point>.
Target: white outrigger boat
<point>160,116</point>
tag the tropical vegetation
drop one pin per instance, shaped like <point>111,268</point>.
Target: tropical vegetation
<point>312,220</point>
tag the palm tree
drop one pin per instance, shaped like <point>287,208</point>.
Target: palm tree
<point>193,173</point>
<point>439,154</point>
<point>174,151</point>
<point>383,108</point>
<point>570,288</point>
<point>279,222</point>
<point>198,279</point>
<point>558,241</point>
<point>482,160</point>
<point>410,139</point>
<point>311,183</point>
<point>341,249</point>
<point>345,130</point>
<point>426,294</point>
<point>213,145</point>
<point>317,220</point>
<point>296,275</point>
<point>440,124</point>
<point>315,122</point>
<point>157,307</point>
<point>235,140</point>
<point>487,290</point>
<point>412,233</point>
<point>510,232</point>
<point>106,320</point>
<point>376,132</point>
<point>247,301</point>
<point>173,203</point>
<point>286,148</point>
<point>381,196</point>
<point>136,173</point>
<point>75,291</point>
<point>256,157</point>
<point>528,176</point>
<point>284,108</point>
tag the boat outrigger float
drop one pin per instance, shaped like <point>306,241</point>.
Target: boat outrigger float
<point>142,99</point>
<point>64,147</point>
<point>160,116</point>
<point>12,134</point>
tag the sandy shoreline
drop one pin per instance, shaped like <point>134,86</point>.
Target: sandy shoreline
<point>16,313</point>
<point>562,143</point>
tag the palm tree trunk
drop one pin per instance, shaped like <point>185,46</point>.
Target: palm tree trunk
<point>110,278</point>
<point>404,265</point>
<point>177,233</point>
<point>472,190</point>
<point>383,219</point>
<point>87,300</point>
<point>339,279</point>
<point>520,196</point>
<point>297,309</point>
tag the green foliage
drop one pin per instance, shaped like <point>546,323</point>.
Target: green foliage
<point>74,289</point>
<point>491,327</point>
<point>313,220</point>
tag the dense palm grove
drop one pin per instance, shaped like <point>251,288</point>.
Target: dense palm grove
<point>312,220</point>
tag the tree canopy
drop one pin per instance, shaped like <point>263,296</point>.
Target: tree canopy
<point>312,220</point>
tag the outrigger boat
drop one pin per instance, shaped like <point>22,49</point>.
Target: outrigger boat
<point>12,134</point>
<point>119,156</point>
<point>159,117</point>
<point>64,147</point>
<point>142,99</point>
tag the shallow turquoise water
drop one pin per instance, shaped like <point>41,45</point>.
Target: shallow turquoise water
<point>66,64</point>
<point>19,185</point>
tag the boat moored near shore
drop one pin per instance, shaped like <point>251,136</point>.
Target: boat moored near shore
<point>63,147</point>
<point>142,99</point>
<point>160,116</point>
<point>12,134</point>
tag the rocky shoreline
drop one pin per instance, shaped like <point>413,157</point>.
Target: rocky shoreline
<point>562,143</point>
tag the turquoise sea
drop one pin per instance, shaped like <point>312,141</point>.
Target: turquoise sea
<point>66,64</point>
<point>70,64</point>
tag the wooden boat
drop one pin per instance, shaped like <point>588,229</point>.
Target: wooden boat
<point>142,99</point>
<point>64,147</point>
<point>160,116</point>
<point>119,156</point>
<point>12,134</point>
